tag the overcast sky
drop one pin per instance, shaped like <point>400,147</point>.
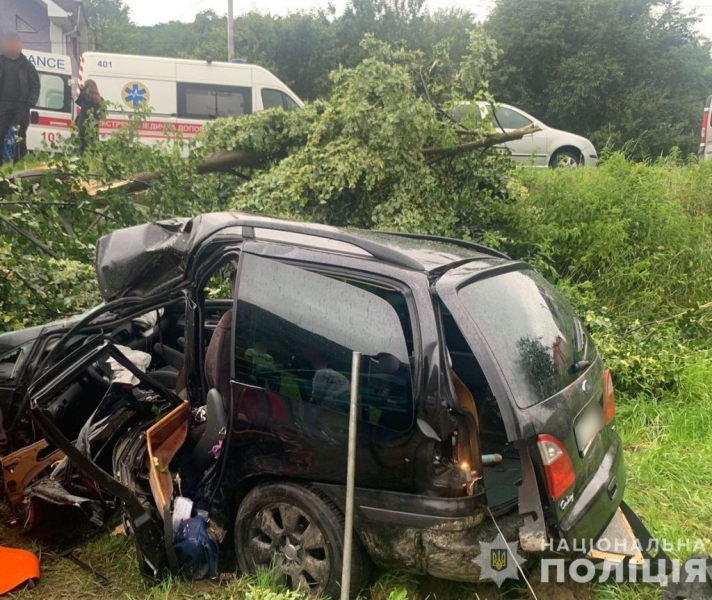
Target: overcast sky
<point>150,12</point>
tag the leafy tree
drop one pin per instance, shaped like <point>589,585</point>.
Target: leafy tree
<point>614,70</point>
<point>356,158</point>
<point>110,25</point>
<point>379,150</point>
<point>300,48</point>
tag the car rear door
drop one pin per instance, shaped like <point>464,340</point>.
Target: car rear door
<point>548,379</point>
<point>529,150</point>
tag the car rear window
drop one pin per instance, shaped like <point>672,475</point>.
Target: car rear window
<point>532,331</point>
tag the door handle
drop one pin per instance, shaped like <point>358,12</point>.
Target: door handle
<point>34,117</point>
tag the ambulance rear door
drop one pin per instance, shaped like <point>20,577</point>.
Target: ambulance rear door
<point>51,118</point>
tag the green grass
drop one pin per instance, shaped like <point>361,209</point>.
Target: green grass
<point>669,457</point>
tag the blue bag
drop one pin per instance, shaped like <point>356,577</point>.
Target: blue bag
<point>9,145</point>
<point>197,552</point>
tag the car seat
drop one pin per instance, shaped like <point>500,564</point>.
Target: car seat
<point>205,438</point>
<point>217,357</point>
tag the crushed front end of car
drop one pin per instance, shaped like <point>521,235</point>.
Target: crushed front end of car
<point>82,488</point>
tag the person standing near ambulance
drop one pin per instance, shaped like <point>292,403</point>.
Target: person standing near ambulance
<point>90,101</point>
<point>19,91</point>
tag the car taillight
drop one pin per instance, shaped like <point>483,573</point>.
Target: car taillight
<point>559,470</point>
<point>609,398</point>
<point>705,122</point>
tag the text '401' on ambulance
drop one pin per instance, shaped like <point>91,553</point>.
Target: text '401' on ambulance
<point>182,94</point>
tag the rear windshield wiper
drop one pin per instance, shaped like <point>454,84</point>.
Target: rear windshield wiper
<point>579,366</point>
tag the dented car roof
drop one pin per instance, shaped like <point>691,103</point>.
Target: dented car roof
<point>139,260</point>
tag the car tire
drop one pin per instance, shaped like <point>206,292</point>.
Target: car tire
<point>566,159</point>
<point>275,523</point>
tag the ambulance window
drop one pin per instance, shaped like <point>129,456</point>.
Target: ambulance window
<point>202,101</point>
<point>54,92</point>
<point>276,99</point>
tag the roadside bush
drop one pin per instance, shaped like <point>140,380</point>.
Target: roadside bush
<point>629,244</point>
<point>38,289</point>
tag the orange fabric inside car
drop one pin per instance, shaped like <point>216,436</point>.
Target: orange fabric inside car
<point>467,401</point>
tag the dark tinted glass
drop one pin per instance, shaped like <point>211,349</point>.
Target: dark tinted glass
<point>202,101</point>
<point>532,331</point>
<point>296,331</point>
<point>277,99</point>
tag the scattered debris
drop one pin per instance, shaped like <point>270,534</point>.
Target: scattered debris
<point>19,568</point>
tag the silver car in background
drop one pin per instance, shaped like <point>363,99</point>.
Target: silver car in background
<point>547,148</point>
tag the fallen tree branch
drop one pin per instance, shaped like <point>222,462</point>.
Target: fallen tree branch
<point>433,155</point>
<point>30,175</point>
<point>219,162</point>
<point>31,238</point>
<point>228,160</point>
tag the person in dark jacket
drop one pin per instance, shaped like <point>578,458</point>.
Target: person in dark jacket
<point>90,102</point>
<point>19,91</point>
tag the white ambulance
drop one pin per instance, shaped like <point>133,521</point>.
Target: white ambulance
<point>51,119</point>
<point>182,94</point>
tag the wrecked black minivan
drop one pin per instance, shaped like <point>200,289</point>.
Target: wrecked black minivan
<point>484,405</point>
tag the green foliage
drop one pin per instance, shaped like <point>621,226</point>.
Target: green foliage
<point>355,159</point>
<point>628,243</point>
<point>670,456</point>
<point>301,48</point>
<point>630,74</point>
<point>612,70</point>
<point>36,289</point>
<point>109,23</point>
<point>48,230</point>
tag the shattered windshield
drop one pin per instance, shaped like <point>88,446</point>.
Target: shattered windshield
<point>532,330</point>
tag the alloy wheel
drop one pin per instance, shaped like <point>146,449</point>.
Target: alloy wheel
<point>283,536</point>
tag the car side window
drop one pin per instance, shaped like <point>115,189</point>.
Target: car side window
<point>206,101</point>
<point>295,332</point>
<point>509,119</point>
<point>276,99</point>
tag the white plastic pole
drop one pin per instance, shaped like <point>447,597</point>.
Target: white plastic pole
<point>350,478</point>
<point>230,31</point>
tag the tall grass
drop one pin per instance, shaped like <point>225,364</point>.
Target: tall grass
<point>638,234</point>
<point>669,457</point>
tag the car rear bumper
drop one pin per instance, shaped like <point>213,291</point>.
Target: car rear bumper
<point>442,537</point>
<point>598,502</point>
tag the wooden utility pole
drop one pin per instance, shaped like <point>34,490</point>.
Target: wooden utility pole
<point>230,31</point>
